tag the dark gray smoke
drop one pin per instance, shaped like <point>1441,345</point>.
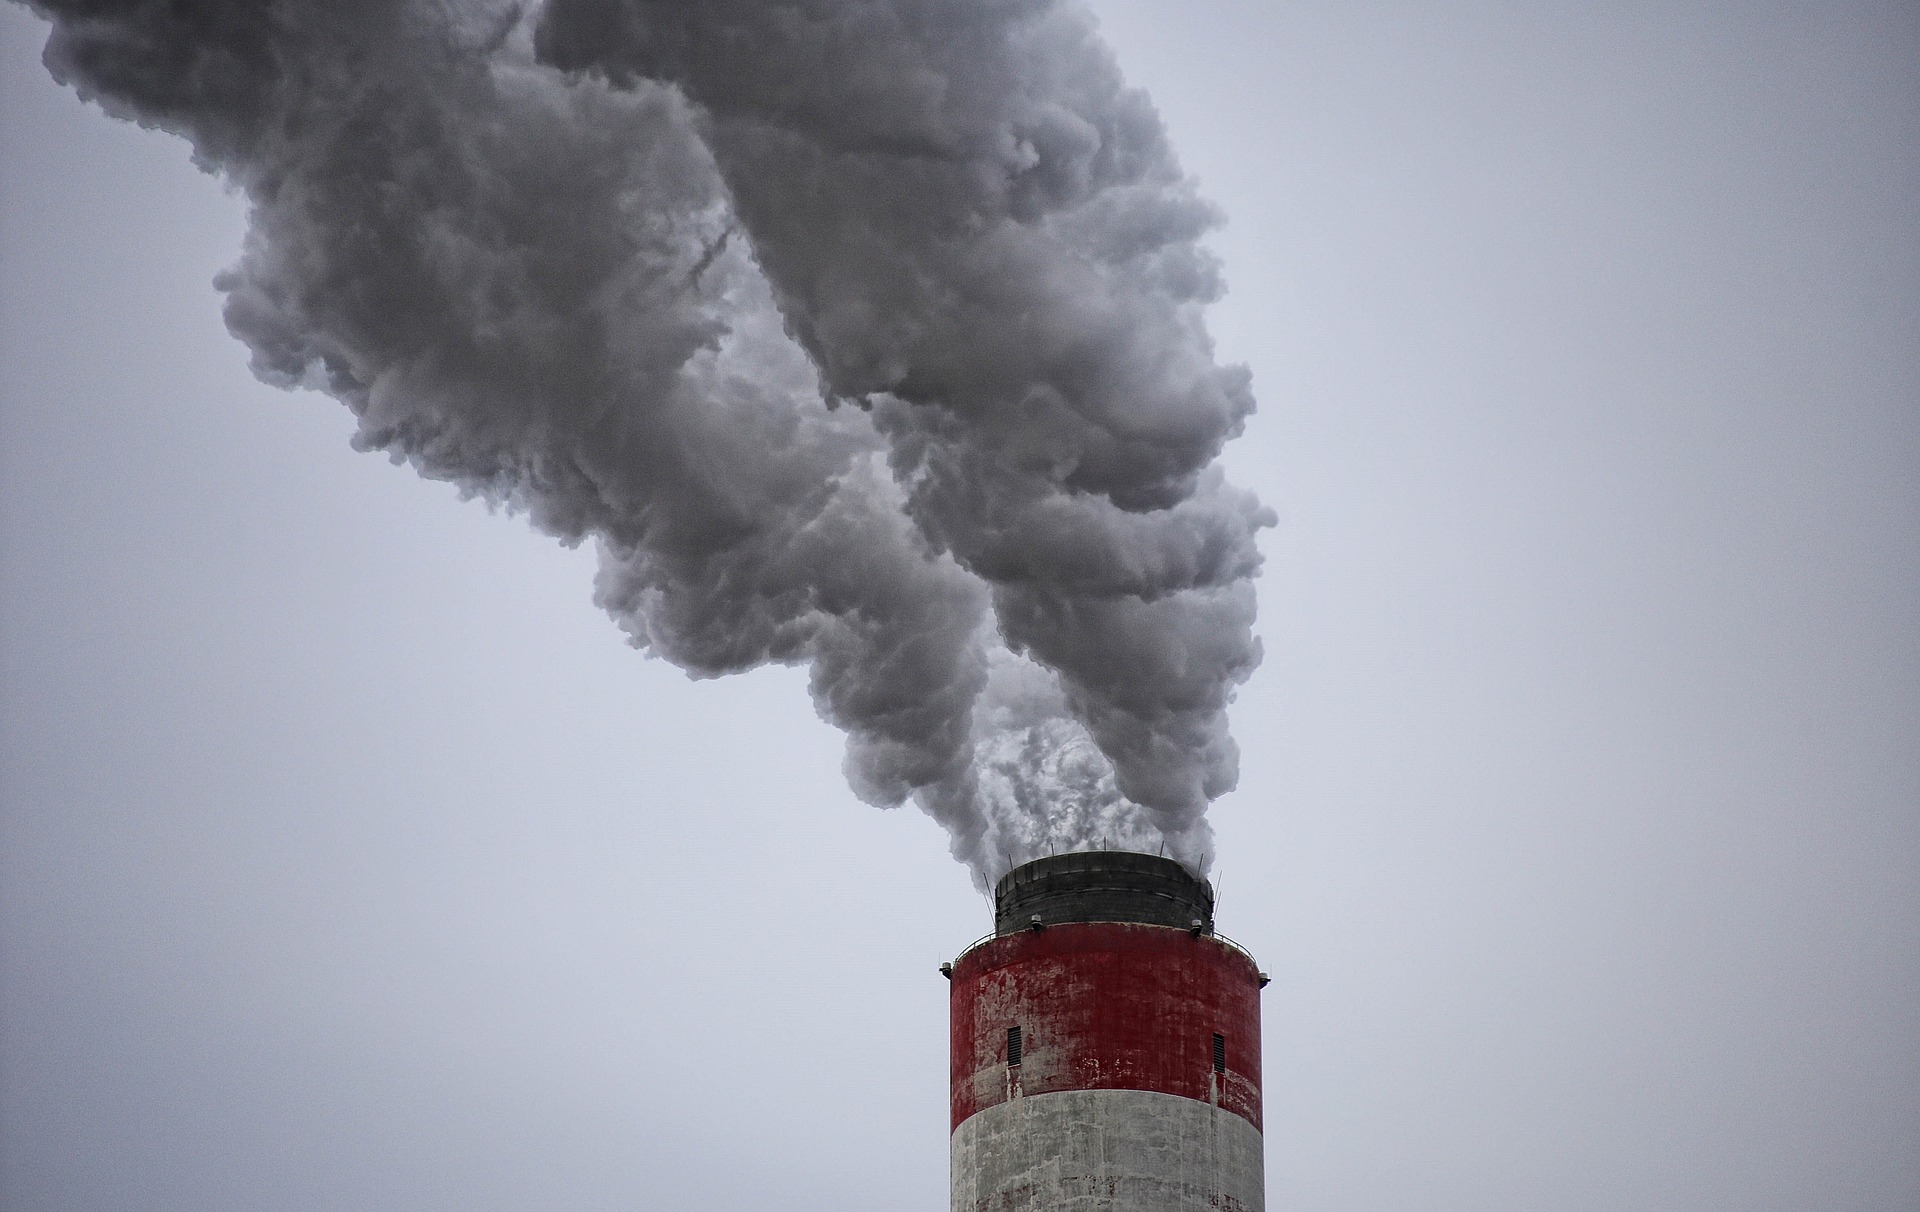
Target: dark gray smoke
<point>858,334</point>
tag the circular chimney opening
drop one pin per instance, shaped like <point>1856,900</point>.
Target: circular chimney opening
<point>1101,886</point>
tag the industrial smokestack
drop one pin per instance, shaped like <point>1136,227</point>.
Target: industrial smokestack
<point>1106,1046</point>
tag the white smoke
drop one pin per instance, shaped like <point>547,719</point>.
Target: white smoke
<point>863,334</point>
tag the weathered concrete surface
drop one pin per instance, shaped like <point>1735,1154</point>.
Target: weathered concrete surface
<point>1106,1006</point>
<point>1107,1151</point>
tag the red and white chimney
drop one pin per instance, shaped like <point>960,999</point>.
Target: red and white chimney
<point>1106,1046</point>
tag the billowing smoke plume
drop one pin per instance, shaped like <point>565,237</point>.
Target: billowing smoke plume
<point>858,334</point>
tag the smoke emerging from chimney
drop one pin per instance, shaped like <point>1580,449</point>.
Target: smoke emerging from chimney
<point>863,335</point>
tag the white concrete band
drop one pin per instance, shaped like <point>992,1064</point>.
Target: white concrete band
<point>1107,1151</point>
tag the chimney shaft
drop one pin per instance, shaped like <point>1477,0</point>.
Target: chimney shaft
<point>1105,1046</point>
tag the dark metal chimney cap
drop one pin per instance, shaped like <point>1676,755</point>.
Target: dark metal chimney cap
<point>1101,886</point>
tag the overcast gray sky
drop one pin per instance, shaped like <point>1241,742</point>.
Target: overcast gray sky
<point>350,861</point>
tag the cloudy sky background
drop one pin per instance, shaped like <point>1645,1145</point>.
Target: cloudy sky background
<point>348,860</point>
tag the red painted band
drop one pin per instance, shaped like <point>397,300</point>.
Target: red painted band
<point>1106,1006</point>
